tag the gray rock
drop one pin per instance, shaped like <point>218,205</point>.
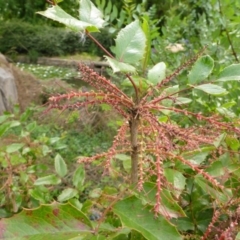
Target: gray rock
<point>8,89</point>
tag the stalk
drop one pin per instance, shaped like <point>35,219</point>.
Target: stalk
<point>134,124</point>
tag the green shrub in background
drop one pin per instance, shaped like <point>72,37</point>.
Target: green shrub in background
<point>18,37</point>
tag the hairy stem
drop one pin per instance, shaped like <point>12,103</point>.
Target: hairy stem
<point>134,124</point>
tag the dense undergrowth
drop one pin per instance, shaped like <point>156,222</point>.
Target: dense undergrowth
<point>172,170</point>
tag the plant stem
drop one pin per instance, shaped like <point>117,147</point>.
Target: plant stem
<point>110,55</point>
<point>227,33</point>
<point>134,124</point>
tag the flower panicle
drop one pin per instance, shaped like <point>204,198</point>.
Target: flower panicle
<point>99,82</point>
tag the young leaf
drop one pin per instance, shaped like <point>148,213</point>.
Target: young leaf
<point>201,70</point>
<point>182,100</point>
<point>130,43</point>
<point>157,73</point>
<point>60,166</point>
<point>212,89</point>
<point>90,14</point>
<point>230,73</point>
<point>120,66</point>
<point>48,180</point>
<point>79,177</point>
<point>141,219</point>
<point>67,194</point>
<point>57,14</point>
<point>147,53</point>
<point>14,147</point>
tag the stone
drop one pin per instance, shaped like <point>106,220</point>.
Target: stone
<point>17,87</point>
<point>8,89</point>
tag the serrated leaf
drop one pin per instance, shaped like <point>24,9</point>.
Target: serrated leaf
<point>230,73</point>
<point>57,14</point>
<point>48,180</point>
<point>157,73</point>
<point>201,69</point>
<point>90,14</point>
<point>120,66</point>
<point>52,221</point>
<point>79,177</point>
<point>130,43</point>
<point>60,166</point>
<point>14,147</point>
<point>141,219</point>
<point>212,89</point>
<point>67,194</point>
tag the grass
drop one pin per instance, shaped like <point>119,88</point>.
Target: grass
<point>48,72</point>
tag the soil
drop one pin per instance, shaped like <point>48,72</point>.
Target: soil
<point>34,91</point>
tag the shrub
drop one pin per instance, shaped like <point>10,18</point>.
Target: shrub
<point>18,37</point>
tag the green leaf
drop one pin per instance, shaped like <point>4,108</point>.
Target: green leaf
<point>60,166</point>
<point>225,112</point>
<point>4,127</point>
<point>7,125</point>
<point>67,194</point>
<point>130,43</point>
<point>233,143</point>
<point>140,82</point>
<point>126,161</point>
<point>157,73</point>
<point>120,66</point>
<point>177,179</point>
<point>53,221</point>
<point>230,73</point>
<point>90,14</point>
<point>4,118</point>
<point>95,193</point>
<point>14,147</point>
<point>201,69</point>
<point>48,180</point>
<point>169,206</point>
<point>57,14</point>
<point>216,169</point>
<point>141,219</point>
<point>206,187</point>
<point>218,141</point>
<point>212,89</point>
<point>182,100</point>
<point>37,194</point>
<point>79,177</point>
<point>147,53</point>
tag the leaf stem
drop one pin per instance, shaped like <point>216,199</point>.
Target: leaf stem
<point>110,55</point>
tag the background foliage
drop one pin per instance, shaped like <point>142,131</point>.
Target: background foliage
<point>37,157</point>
